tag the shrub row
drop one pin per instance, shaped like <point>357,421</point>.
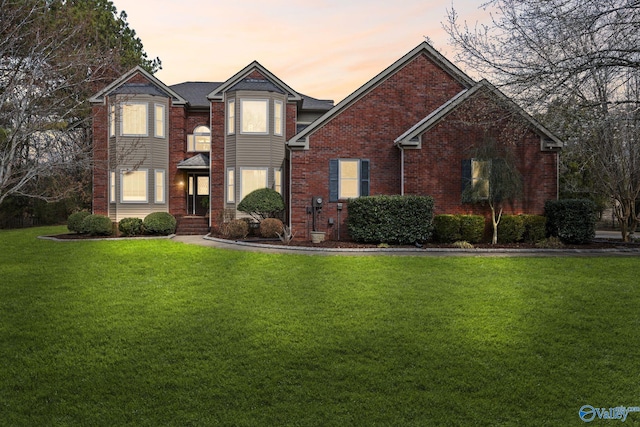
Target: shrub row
<point>521,228</point>
<point>158,223</point>
<point>572,220</point>
<point>391,219</point>
<point>452,228</point>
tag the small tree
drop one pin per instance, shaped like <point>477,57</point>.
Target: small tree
<point>262,203</point>
<point>494,180</point>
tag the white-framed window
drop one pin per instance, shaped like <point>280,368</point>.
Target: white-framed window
<point>134,119</point>
<point>133,185</point>
<point>231,185</point>
<point>480,170</point>
<point>254,116</point>
<point>159,186</point>
<point>112,187</point>
<point>278,123</point>
<point>349,179</point>
<point>200,140</point>
<point>252,179</point>
<point>231,116</point>
<point>277,180</point>
<point>112,120</point>
<point>159,131</point>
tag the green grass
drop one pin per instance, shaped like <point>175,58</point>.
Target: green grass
<point>154,332</point>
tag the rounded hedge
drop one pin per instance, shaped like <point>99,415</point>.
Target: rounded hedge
<point>74,222</point>
<point>131,226</point>
<point>270,227</point>
<point>572,220</point>
<point>97,225</point>
<point>535,228</point>
<point>262,203</point>
<point>160,223</point>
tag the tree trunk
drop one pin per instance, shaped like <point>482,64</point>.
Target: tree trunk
<point>495,221</point>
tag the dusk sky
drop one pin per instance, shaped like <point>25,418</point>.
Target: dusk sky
<point>322,48</point>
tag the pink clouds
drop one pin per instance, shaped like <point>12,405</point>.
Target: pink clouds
<point>325,49</point>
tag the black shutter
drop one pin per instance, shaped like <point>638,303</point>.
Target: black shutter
<point>333,180</point>
<point>364,177</point>
<point>466,178</point>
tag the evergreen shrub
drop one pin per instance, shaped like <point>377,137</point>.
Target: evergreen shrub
<point>97,225</point>
<point>131,226</point>
<point>472,228</point>
<point>572,220</point>
<point>74,222</point>
<point>160,223</point>
<point>390,219</point>
<point>446,228</point>
<point>510,229</point>
<point>535,228</point>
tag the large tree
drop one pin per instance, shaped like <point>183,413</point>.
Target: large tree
<point>576,63</point>
<point>53,55</point>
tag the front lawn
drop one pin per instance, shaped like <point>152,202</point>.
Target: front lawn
<point>155,332</point>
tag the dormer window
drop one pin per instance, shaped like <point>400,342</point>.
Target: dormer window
<point>200,140</point>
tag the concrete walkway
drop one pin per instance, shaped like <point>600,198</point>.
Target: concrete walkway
<point>275,249</point>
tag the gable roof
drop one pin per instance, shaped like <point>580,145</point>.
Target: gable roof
<point>196,92</point>
<point>409,138</point>
<point>273,83</point>
<point>155,88</point>
<point>300,140</point>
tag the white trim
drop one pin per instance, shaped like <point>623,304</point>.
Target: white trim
<point>230,184</point>
<point>357,179</point>
<point>123,172</point>
<point>163,189</point>
<point>277,103</point>
<point>242,169</point>
<point>155,121</point>
<point>265,101</point>
<point>113,195</point>
<point>146,119</point>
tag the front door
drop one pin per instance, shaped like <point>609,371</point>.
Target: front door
<point>198,194</point>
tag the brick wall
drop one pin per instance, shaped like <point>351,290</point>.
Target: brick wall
<point>218,170</point>
<point>366,130</point>
<point>100,159</point>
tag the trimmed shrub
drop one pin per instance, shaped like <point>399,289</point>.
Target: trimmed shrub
<point>390,219</point>
<point>74,222</point>
<point>510,229</point>
<point>235,229</point>
<point>131,226</point>
<point>446,228</point>
<point>270,227</point>
<point>534,228</point>
<point>97,225</point>
<point>572,220</point>
<point>160,223</point>
<point>471,228</point>
<point>262,203</point>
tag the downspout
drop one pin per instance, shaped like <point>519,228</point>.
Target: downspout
<point>224,166</point>
<point>289,189</point>
<point>401,169</point>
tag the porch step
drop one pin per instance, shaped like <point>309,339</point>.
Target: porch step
<point>192,225</point>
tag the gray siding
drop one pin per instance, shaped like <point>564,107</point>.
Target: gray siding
<point>140,153</point>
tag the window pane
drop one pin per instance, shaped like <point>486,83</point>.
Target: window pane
<point>134,186</point>
<point>231,117</point>
<point>134,119</point>
<point>254,116</point>
<point>348,179</point>
<point>202,143</point>
<point>112,121</point>
<point>231,186</point>
<point>112,185</point>
<point>159,186</point>
<point>159,132</point>
<point>480,177</point>
<point>277,180</point>
<point>203,185</point>
<point>252,179</point>
<point>277,118</point>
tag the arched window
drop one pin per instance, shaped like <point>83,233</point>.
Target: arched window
<point>199,140</point>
